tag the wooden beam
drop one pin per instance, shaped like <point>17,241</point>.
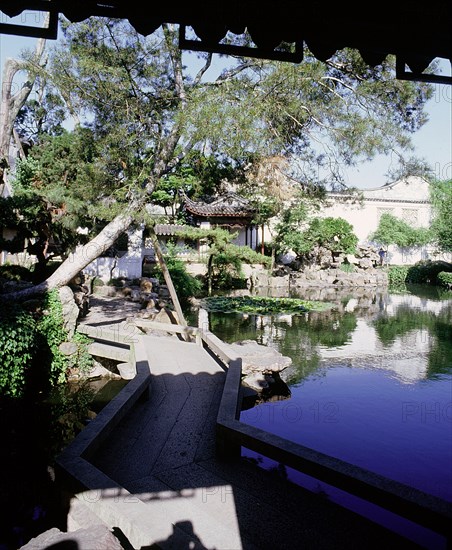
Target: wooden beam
<point>167,276</point>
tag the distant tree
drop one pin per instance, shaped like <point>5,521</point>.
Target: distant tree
<point>301,232</point>
<point>441,196</point>
<point>393,230</point>
<point>334,234</point>
<point>224,257</point>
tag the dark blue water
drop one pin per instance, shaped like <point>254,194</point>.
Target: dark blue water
<point>370,383</point>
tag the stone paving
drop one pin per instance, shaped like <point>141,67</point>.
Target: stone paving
<point>105,310</point>
<point>163,453</point>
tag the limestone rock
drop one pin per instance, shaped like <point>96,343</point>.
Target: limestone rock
<point>166,315</point>
<point>146,284</point>
<point>68,348</point>
<point>256,381</point>
<point>97,537</point>
<point>126,370</point>
<point>99,371</point>
<point>257,358</point>
<point>71,311</point>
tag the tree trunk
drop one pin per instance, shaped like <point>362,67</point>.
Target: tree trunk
<point>79,259</point>
<point>209,274</point>
<point>10,104</point>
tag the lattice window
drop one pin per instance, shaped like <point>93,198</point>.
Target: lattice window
<point>410,216</point>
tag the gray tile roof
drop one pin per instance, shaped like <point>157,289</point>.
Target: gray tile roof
<point>229,205</point>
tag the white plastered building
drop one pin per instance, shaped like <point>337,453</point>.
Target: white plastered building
<point>407,199</point>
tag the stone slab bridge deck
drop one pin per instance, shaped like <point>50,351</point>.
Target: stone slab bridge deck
<point>149,465</point>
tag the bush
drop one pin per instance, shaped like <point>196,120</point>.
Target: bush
<point>17,349</point>
<point>97,282</point>
<point>347,268</point>
<point>426,272</point>
<point>30,356</point>
<point>397,275</point>
<point>185,284</point>
<point>15,273</point>
<point>445,279</point>
<point>82,360</point>
<point>50,326</point>
<point>227,271</point>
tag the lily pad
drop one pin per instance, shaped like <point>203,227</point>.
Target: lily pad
<point>260,305</point>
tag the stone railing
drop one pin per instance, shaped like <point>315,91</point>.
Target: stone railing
<point>421,508</point>
<point>108,501</point>
<point>91,494</point>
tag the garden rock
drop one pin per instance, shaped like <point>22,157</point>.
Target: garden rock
<point>68,348</point>
<point>97,537</point>
<point>126,370</point>
<point>71,311</point>
<point>257,358</point>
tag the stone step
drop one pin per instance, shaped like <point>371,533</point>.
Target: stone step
<point>109,351</point>
<point>121,333</point>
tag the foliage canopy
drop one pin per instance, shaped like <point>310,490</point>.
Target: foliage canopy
<point>393,230</point>
<point>441,196</point>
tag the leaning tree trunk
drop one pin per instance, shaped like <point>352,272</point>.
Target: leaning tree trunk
<point>79,259</point>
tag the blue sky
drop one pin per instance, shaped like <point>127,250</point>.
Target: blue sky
<point>432,143</point>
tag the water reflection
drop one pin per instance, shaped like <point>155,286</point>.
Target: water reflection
<point>408,334</point>
<point>370,381</point>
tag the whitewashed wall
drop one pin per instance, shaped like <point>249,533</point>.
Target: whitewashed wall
<point>405,199</point>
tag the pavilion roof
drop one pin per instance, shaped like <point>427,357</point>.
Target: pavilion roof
<point>228,205</point>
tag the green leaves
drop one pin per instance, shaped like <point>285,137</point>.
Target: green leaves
<point>393,230</point>
<point>51,327</point>
<point>17,349</point>
<point>299,232</point>
<point>442,208</point>
<point>260,305</point>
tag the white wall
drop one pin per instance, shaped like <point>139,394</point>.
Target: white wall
<point>407,199</point>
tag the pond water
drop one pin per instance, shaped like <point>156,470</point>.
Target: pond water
<point>370,383</point>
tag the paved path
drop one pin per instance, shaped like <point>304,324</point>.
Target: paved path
<point>164,454</point>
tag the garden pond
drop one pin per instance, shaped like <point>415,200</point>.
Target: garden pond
<point>370,383</point>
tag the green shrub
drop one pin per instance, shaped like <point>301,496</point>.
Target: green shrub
<point>82,360</point>
<point>227,271</point>
<point>397,275</point>
<point>50,326</point>
<point>185,284</point>
<point>347,268</point>
<point>15,273</point>
<point>425,272</point>
<point>445,279</point>
<point>30,356</point>
<point>17,349</point>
